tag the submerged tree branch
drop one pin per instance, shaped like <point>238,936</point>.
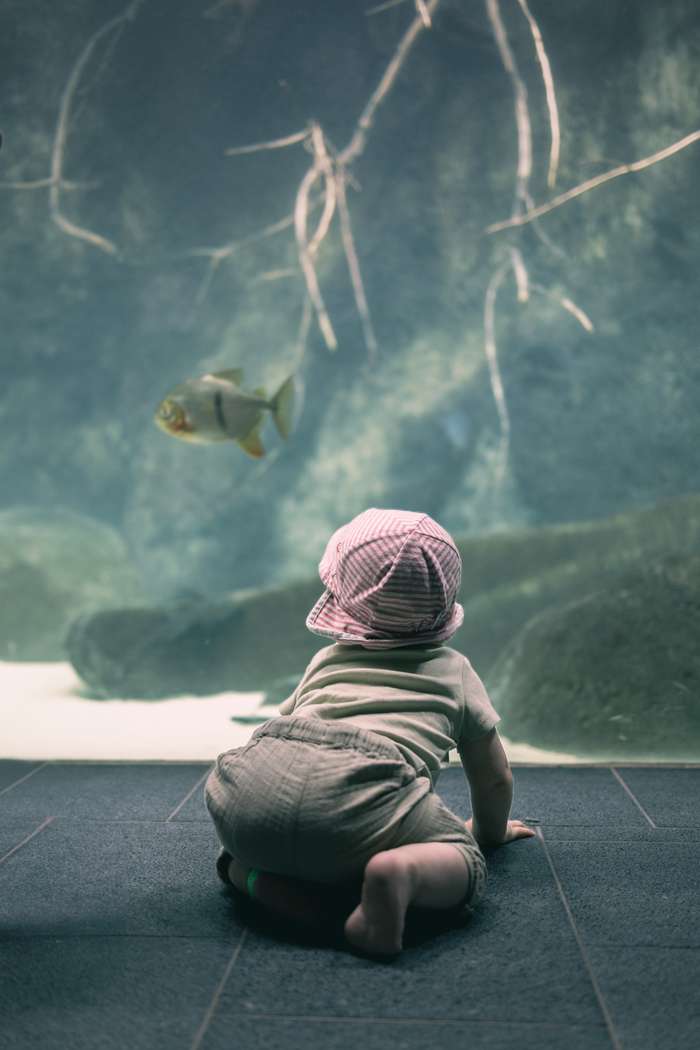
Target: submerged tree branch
<point>492,360</point>
<point>550,94</point>
<point>56,182</point>
<point>333,170</point>
<point>522,113</point>
<point>356,144</point>
<point>288,140</point>
<point>59,144</point>
<point>591,184</point>
<point>321,166</point>
<point>522,200</point>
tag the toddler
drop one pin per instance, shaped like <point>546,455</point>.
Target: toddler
<point>338,793</point>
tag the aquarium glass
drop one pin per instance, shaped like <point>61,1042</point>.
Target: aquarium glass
<point>268,264</point>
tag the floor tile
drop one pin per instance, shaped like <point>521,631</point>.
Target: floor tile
<point>671,797</point>
<point>126,878</point>
<point>330,1033</point>
<point>116,932</point>
<point>103,791</point>
<point>107,993</point>
<point>459,973</point>
<point>627,893</point>
<point>652,994</point>
<point>12,772</point>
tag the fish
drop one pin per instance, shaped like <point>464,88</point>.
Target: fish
<point>215,407</point>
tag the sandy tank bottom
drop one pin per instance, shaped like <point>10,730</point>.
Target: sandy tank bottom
<point>45,715</point>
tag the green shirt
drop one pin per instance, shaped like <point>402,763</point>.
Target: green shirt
<point>426,699</point>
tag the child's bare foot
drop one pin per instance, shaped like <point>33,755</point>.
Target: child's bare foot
<point>376,925</point>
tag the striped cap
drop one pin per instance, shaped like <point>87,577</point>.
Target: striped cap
<point>391,577</point>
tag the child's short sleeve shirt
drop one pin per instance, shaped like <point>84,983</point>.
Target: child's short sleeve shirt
<point>426,699</point>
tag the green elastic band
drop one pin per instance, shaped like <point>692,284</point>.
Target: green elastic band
<point>251,880</point>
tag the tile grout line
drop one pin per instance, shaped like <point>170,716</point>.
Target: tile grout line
<point>80,819</point>
<point>188,796</point>
<point>24,841</point>
<point>581,947</point>
<point>211,1009</point>
<point>636,801</point>
<point>345,1019</point>
<point>22,779</point>
<point>594,765</point>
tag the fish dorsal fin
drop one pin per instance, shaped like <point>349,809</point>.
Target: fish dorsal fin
<point>251,443</point>
<point>231,375</point>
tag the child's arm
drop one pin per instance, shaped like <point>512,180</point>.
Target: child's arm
<point>487,769</point>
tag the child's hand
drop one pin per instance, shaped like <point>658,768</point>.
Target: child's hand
<point>515,829</point>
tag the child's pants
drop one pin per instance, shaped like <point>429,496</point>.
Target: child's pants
<point>315,800</point>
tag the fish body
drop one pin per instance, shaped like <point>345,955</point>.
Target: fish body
<point>216,408</point>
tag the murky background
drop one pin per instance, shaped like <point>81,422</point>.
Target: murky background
<point>476,256</point>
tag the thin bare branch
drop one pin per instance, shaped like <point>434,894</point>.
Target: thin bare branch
<point>276,275</point>
<point>582,318</point>
<point>568,305</point>
<point>59,143</point>
<point>34,184</point>
<point>335,175</point>
<point>217,255</point>
<point>354,267</point>
<point>305,257</point>
<point>289,140</point>
<point>522,113</point>
<point>591,184</point>
<point>423,12</point>
<point>521,275</point>
<point>492,359</point>
<point>541,235</point>
<point>330,195</point>
<point>356,144</point>
<point>38,184</point>
<point>81,232</point>
<point>383,7</point>
<point>549,93</point>
<point>330,192</point>
<point>259,235</point>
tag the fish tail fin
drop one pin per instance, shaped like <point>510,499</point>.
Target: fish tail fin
<point>283,407</point>
<point>251,443</point>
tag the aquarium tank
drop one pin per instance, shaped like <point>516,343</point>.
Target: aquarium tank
<point>269,264</point>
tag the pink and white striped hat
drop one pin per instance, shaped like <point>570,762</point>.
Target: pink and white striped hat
<point>391,577</point>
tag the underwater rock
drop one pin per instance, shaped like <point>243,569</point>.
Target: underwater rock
<point>509,577</point>
<point>54,565</point>
<point>614,673</point>
<point>258,640</point>
<point>243,644</point>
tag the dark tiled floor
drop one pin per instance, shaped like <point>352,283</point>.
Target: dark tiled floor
<point>116,933</point>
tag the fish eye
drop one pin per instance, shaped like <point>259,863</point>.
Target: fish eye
<point>168,410</point>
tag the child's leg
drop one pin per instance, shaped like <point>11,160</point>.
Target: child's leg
<point>428,874</point>
<point>301,902</point>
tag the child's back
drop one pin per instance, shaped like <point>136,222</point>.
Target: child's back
<point>426,699</point>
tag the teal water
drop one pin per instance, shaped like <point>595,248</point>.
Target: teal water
<point>469,234</point>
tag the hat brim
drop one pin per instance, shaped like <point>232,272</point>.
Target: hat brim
<point>330,620</point>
